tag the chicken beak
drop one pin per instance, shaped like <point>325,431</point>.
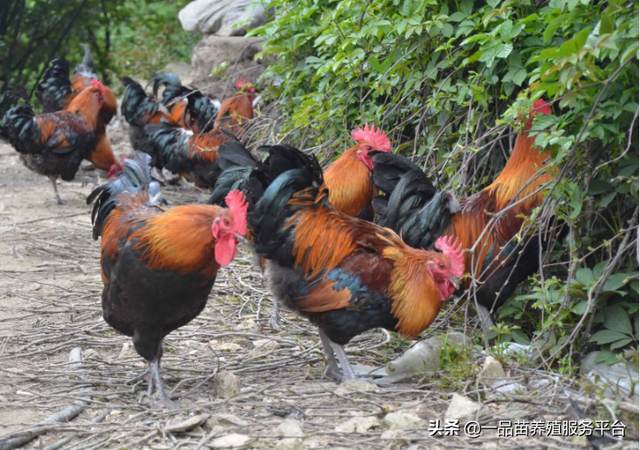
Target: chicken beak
<point>455,281</point>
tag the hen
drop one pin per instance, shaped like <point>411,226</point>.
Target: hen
<point>413,208</point>
<point>55,144</point>
<point>346,275</point>
<point>158,266</point>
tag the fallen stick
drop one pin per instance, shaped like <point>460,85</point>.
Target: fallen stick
<point>67,414</point>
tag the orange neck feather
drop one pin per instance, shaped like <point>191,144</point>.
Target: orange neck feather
<point>87,105</point>
<point>416,300</point>
<point>180,240</point>
<point>349,183</point>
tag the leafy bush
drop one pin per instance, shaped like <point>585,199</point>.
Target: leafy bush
<point>445,79</point>
<point>126,37</point>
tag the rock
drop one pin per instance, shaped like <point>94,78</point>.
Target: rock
<point>226,384</point>
<point>360,385</point>
<point>242,342</point>
<point>90,354</point>
<point>239,53</point>
<point>461,409</point>
<point>226,420</point>
<point>233,440</point>
<point>349,386</point>
<point>403,421</point>
<point>491,371</point>
<point>262,347</point>
<point>224,346</point>
<point>290,428</point>
<point>291,444</point>
<point>393,434</point>
<point>358,424</point>
<point>221,16</point>
<point>127,351</point>
<point>180,426</point>
<point>617,379</point>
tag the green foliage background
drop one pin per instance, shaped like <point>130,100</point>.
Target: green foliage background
<point>127,38</point>
<point>445,79</point>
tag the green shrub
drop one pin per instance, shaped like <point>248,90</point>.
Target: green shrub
<point>445,79</point>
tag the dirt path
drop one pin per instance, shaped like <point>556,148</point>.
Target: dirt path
<point>50,303</point>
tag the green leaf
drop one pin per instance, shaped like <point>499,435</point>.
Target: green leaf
<point>615,282</point>
<point>520,338</point>
<point>553,27</point>
<point>617,319</point>
<point>466,7</point>
<point>621,343</point>
<point>457,17</point>
<point>606,24</point>
<point>519,77</point>
<point>606,356</point>
<point>585,276</point>
<point>598,187</point>
<point>607,337</point>
<point>504,50</point>
<point>505,29</point>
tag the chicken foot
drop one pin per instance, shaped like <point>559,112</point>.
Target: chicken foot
<point>154,380</point>
<point>333,350</point>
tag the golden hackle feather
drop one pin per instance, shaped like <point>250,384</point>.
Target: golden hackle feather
<point>349,183</point>
<point>415,296</point>
<point>181,239</point>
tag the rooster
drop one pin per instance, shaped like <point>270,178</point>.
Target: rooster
<point>237,109</point>
<point>346,275</point>
<point>413,208</point>
<point>141,110</point>
<point>351,189</point>
<point>348,178</point>
<point>56,92</point>
<point>158,266</point>
<point>191,155</point>
<point>55,144</point>
<point>175,98</point>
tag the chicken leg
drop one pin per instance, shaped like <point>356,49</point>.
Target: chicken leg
<point>333,350</point>
<point>332,369</point>
<point>53,178</point>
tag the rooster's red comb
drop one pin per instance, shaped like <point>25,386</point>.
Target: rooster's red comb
<point>241,82</point>
<point>540,106</point>
<point>237,204</point>
<point>97,84</point>
<point>379,140</point>
<point>452,248</point>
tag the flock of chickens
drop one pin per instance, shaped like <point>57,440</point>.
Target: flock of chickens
<point>312,231</point>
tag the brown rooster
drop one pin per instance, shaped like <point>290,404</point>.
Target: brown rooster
<point>237,109</point>
<point>412,207</point>
<point>55,144</point>
<point>348,178</point>
<point>344,274</point>
<point>158,266</point>
<point>56,94</point>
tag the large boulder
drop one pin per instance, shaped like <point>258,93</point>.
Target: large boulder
<point>238,52</point>
<point>222,17</point>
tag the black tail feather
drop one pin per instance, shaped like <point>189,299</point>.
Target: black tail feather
<point>135,177</point>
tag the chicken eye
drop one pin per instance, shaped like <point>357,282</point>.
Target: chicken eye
<point>369,148</point>
<point>441,266</point>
